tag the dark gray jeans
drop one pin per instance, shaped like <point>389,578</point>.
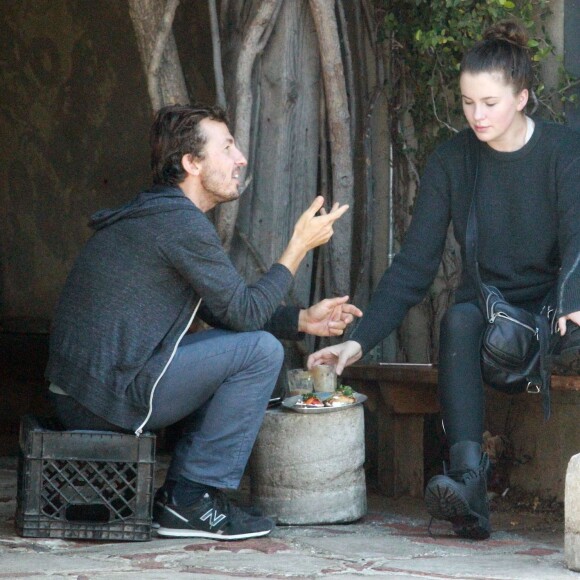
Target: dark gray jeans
<point>219,383</point>
<point>461,390</point>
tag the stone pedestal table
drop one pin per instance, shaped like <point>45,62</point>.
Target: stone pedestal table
<point>308,468</point>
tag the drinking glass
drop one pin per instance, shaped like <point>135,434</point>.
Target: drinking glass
<point>299,382</point>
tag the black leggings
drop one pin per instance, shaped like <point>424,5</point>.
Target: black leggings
<point>461,392</point>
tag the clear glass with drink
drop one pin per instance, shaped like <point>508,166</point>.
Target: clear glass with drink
<point>324,377</point>
<point>300,382</point>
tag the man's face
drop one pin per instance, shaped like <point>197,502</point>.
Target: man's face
<point>221,164</point>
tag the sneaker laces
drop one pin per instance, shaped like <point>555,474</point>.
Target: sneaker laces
<point>222,502</point>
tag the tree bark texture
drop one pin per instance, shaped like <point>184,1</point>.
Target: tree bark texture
<point>323,13</point>
<point>217,55</point>
<point>166,82</point>
<point>253,44</point>
<point>280,100</point>
<point>284,169</point>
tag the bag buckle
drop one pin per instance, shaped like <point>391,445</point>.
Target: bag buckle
<point>533,389</point>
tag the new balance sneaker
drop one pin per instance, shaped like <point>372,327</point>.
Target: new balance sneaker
<point>161,499</point>
<point>212,516</point>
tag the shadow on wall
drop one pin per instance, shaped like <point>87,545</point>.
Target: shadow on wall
<point>74,121</point>
<point>23,357</point>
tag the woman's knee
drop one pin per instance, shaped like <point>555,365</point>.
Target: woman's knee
<point>462,318</point>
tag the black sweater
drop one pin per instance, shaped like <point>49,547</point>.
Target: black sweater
<point>528,221</point>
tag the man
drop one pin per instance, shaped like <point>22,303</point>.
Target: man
<point>120,355</point>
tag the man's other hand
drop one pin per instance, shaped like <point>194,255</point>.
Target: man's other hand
<point>311,230</point>
<point>329,317</point>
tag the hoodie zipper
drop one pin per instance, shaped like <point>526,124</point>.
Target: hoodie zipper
<point>140,428</point>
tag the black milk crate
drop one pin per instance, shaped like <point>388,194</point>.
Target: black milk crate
<point>84,485</point>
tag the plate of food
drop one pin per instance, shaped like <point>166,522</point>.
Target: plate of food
<point>343,398</point>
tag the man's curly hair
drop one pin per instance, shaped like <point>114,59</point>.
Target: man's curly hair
<point>175,132</point>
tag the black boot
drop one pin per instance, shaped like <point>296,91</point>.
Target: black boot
<point>460,496</point>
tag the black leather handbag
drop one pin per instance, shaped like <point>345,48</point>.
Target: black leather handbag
<point>514,346</point>
<point>515,342</point>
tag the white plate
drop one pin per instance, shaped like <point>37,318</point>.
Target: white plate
<point>290,403</point>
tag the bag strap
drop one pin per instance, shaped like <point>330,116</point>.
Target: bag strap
<point>471,258</point>
<point>545,367</point>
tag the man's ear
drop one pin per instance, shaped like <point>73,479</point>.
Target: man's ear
<point>191,164</point>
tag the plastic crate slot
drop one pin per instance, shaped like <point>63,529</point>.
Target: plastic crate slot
<point>89,513</point>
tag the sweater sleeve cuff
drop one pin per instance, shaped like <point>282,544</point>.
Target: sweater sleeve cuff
<point>284,323</point>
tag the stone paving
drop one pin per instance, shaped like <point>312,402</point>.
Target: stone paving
<point>391,541</point>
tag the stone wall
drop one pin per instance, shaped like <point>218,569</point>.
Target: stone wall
<point>74,120</point>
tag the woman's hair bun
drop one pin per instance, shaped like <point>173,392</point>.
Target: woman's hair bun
<point>503,49</point>
<point>509,30</point>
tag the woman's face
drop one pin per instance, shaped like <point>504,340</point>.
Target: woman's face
<point>493,110</point>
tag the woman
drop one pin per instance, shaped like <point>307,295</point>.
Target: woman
<point>528,176</point>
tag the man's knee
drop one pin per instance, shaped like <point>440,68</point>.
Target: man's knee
<point>270,347</point>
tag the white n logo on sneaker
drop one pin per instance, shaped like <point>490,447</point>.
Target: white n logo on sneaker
<point>213,516</point>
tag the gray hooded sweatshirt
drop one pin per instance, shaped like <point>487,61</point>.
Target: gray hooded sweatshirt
<point>133,293</point>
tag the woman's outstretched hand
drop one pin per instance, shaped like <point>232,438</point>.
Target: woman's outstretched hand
<point>339,355</point>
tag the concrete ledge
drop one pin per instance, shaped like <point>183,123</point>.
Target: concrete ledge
<point>572,514</point>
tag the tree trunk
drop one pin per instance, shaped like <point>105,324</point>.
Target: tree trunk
<point>340,140</point>
<point>286,144</point>
<point>217,55</point>
<point>253,44</point>
<point>168,86</point>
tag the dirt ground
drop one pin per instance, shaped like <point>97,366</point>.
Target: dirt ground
<point>517,505</point>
